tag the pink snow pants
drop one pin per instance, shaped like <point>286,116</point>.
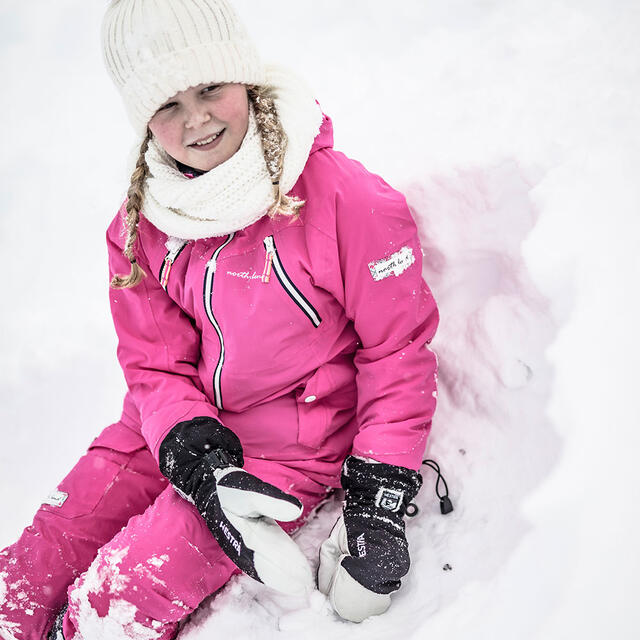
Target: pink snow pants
<point>131,557</point>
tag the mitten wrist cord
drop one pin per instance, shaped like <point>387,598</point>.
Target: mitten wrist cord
<point>446,505</point>
<point>403,482</point>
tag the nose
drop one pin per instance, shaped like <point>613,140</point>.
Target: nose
<point>197,115</point>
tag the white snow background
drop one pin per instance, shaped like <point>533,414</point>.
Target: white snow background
<point>513,127</point>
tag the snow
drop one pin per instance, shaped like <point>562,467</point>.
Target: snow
<point>158,561</point>
<point>119,623</point>
<point>513,127</point>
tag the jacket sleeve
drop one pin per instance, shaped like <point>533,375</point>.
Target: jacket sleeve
<point>158,349</point>
<point>394,315</point>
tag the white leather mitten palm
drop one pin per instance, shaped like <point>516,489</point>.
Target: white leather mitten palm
<point>366,554</point>
<point>203,460</point>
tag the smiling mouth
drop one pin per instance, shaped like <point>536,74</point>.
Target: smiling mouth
<point>206,141</point>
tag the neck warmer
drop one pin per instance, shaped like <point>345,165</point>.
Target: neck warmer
<point>238,192</point>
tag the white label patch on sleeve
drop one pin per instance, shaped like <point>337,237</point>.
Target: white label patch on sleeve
<point>56,498</point>
<point>393,265</point>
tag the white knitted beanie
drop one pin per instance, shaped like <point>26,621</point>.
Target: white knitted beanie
<point>155,48</point>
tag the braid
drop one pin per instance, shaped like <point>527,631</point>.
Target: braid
<point>274,145</point>
<point>135,197</point>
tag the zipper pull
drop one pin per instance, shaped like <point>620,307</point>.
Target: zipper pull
<point>175,247</point>
<point>268,262</point>
<point>173,253</point>
<point>165,273</point>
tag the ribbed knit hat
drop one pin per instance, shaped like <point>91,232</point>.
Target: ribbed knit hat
<point>155,48</point>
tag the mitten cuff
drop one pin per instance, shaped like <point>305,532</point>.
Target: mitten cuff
<point>377,484</point>
<point>191,442</point>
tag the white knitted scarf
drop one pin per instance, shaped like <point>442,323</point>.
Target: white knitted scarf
<point>238,192</point>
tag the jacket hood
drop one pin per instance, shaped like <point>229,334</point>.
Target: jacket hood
<point>324,139</point>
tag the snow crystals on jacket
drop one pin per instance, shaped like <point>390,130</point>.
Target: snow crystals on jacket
<point>308,338</point>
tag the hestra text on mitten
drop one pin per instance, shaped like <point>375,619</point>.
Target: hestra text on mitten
<point>366,554</point>
<point>202,459</point>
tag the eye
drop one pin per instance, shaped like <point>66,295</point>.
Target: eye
<point>166,107</point>
<point>211,88</point>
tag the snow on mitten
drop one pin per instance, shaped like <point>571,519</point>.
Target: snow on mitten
<point>203,460</point>
<point>366,554</point>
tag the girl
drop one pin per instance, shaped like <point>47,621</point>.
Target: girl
<point>272,321</point>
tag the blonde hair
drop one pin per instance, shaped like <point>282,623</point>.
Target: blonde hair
<point>274,145</point>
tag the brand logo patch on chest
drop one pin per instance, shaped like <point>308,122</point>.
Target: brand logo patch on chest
<point>245,275</point>
<point>393,265</point>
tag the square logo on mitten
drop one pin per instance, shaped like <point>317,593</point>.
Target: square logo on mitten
<point>389,499</point>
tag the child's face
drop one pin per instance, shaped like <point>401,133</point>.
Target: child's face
<point>194,116</point>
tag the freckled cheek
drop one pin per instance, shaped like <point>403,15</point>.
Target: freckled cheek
<point>168,135</point>
<point>236,114</point>
<point>240,120</point>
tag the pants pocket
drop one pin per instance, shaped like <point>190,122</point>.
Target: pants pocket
<point>118,447</point>
<point>83,488</point>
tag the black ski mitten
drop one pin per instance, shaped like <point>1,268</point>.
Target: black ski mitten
<point>203,460</point>
<point>366,554</point>
<point>55,633</point>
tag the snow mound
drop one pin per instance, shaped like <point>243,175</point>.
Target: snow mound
<point>491,434</point>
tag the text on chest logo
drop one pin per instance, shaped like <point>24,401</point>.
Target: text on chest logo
<point>245,275</point>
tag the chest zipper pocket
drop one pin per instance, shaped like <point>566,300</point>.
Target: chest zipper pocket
<point>175,247</point>
<point>273,260</point>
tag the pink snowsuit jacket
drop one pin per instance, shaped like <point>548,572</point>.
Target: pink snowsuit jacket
<point>308,337</point>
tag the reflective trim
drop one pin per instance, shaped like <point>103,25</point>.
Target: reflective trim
<point>294,293</point>
<point>207,293</point>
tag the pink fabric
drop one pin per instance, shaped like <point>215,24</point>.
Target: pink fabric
<point>119,503</point>
<point>325,357</point>
<point>297,392</point>
<point>160,567</point>
<point>105,488</point>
